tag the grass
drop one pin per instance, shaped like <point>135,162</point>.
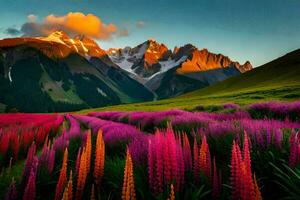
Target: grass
<point>276,80</point>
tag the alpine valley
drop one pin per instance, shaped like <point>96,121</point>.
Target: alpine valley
<point>62,73</point>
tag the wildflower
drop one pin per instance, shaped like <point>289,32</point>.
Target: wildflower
<point>128,190</point>
<point>82,174</point>
<point>294,149</point>
<point>204,159</point>
<point>99,158</point>
<point>257,191</point>
<point>196,160</point>
<point>62,180</point>
<point>29,163</point>
<point>187,153</point>
<point>88,148</point>
<point>172,194</point>
<point>243,186</point>
<point>30,189</point>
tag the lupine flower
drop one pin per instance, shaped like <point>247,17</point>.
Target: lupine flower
<point>82,174</point>
<point>128,190</point>
<point>242,184</point>
<point>204,159</point>
<point>30,189</point>
<point>294,158</point>
<point>62,180</point>
<point>165,161</point>
<point>47,157</point>
<point>196,160</point>
<point>88,148</point>
<point>12,191</point>
<point>99,158</point>
<point>231,106</point>
<point>4,141</point>
<point>68,192</point>
<point>172,193</point>
<point>70,186</point>
<point>29,163</point>
<point>65,195</point>
<point>187,153</point>
<point>256,189</point>
<point>77,165</point>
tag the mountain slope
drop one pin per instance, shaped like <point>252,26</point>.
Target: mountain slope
<point>276,80</point>
<point>50,74</point>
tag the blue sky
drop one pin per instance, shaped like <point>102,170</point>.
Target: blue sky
<point>257,30</point>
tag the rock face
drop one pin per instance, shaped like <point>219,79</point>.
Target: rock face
<point>203,60</point>
<point>170,73</point>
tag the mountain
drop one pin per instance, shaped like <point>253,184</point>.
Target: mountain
<point>62,73</point>
<point>171,73</point>
<point>276,80</point>
<point>58,73</point>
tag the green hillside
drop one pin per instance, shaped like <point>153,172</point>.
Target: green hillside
<point>276,80</point>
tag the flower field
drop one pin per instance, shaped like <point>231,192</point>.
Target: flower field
<point>240,153</point>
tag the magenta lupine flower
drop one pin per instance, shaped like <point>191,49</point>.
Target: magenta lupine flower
<point>277,138</point>
<point>231,106</point>
<point>165,161</point>
<point>113,133</point>
<point>47,157</point>
<point>29,162</point>
<point>29,192</point>
<point>187,153</point>
<point>294,149</point>
<point>139,149</point>
<point>196,160</point>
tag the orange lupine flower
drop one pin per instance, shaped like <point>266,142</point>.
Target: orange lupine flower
<point>88,147</point>
<point>81,179</point>
<point>65,195</point>
<point>99,158</point>
<point>62,180</point>
<point>70,186</point>
<point>172,194</point>
<point>257,191</point>
<point>128,191</point>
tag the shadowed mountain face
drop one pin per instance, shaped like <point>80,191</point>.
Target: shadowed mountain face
<point>59,73</point>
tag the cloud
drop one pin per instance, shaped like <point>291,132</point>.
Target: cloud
<point>73,23</point>
<point>31,18</point>
<point>12,31</point>
<point>140,24</point>
<point>123,33</point>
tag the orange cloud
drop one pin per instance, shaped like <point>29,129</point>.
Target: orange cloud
<point>79,23</point>
<point>73,23</point>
